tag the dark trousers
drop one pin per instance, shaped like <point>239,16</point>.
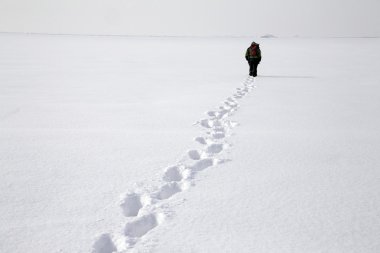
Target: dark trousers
<point>253,67</point>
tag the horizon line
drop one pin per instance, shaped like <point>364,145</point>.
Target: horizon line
<point>265,36</point>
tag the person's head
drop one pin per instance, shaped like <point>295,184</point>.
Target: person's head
<point>254,44</point>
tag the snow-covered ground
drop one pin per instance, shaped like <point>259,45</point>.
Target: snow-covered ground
<point>99,150</point>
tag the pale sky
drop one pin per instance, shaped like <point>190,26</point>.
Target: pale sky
<point>196,17</point>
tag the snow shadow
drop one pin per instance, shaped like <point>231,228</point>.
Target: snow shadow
<point>274,76</point>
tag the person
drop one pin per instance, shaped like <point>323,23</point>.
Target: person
<point>253,56</point>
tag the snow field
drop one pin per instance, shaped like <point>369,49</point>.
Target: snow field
<point>82,119</point>
<point>145,203</point>
<point>98,152</point>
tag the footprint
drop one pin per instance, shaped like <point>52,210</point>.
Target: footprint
<point>218,135</point>
<point>203,164</point>
<point>220,129</point>
<point>215,148</point>
<point>131,204</point>
<point>194,154</point>
<point>103,244</point>
<point>173,174</point>
<point>203,141</point>
<point>207,123</point>
<point>217,123</point>
<point>143,225</point>
<point>212,113</point>
<point>167,190</point>
<point>231,101</point>
<point>223,114</point>
<point>225,107</point>
<point>231,104</point>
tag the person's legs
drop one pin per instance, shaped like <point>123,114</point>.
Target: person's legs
<point>251,67</point>
<point>254,69</point>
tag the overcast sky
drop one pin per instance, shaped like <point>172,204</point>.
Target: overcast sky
<point>195,17</point>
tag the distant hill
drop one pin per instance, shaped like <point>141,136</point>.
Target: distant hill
<point>268,36</point>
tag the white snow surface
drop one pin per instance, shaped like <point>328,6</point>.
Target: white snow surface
<point>126,144</point>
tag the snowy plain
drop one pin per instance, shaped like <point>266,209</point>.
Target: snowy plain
<point>90,127</point>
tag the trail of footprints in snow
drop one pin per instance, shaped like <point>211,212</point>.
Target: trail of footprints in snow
<point>142,206</point>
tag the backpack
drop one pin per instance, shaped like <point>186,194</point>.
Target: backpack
<point>254,51</point>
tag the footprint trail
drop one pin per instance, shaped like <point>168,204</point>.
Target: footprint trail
<point>143,206</point>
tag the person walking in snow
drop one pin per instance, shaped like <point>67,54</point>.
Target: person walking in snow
<point>253,56</point>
